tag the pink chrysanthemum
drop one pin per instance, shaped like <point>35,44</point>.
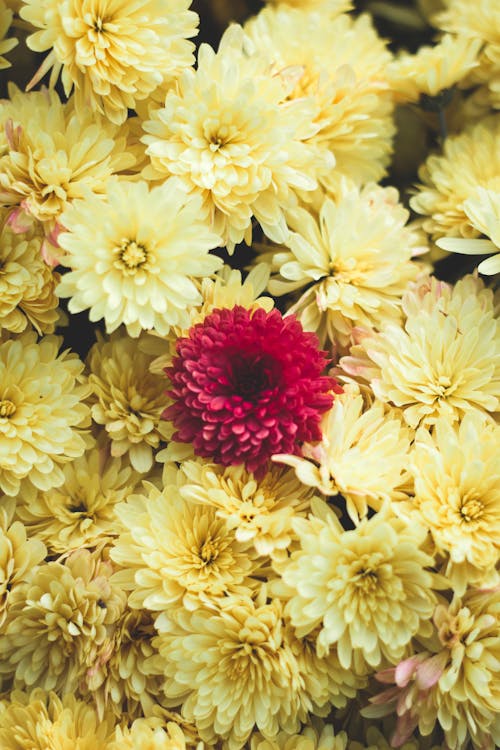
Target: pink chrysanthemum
<point>248,384</point>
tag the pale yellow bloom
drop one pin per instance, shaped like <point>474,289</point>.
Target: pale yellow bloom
<point>444,361</point>
<point>314,736</point>
<point>230,134</point>
<point>468,161</point>
<point>5,44</point>
<point>134,255</point>
<point>483,211</point>
<point>81,512</point>
<point>258,512</point>
<point>113,53</point>
<point>56,622</point>
<point>52,156</point>
<point>346,81</point>
<point>127,399</point>
<point>363,454</point>
<point>151,734</point>
<point>42,412</point>
<point>40,720</point>
<point>232,670</point>
<point>18,554</point>
<point>368,591</point>
<point>457,497</point>
<point>354,258</point>
<point>27,284</point>
<point>175,552</point>
<point>433,69</point>
<point>330,6</point>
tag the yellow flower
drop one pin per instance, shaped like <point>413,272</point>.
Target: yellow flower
<point>127,399</point>
<point>18,554</point>
<point>150,734</point>
<point>40,720</point>
<point>42,412</point>
<point>51,155</point>
<point>445,361</point>
<point>229,133</point>
<point>482,209</point>
<point>174,552</point>
<point>315,736</point>
<point>5,44</point>
<point>81,512</point>
<point>457,496</point>
<point>433,69</point>
<point>257,512</point>
<point>134,255</point>
<point>56,622</point>
<point>332,6</point>
<point>469,160</point>
<point>27,284</point>
<point>345,80</point>
<point>363,454</point>
<point>231,669</point>
<point>354,259</point>
<point>113,54</point>
<point>367,590</point>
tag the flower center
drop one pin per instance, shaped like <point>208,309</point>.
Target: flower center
<point>471,510</point>
<point>442,386</point>
<point>7,408</point>
<point>209,552</point>
<point>131,256</point>
<point>252,376</point>
<point>365,579</point>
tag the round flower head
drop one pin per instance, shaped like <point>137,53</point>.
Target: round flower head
<point>42,411</point>
<point>345,80</point>
<point>246,385</point>
<point>354,259</point>
<point>152,734</point>
<point>113,52</point>
<point>230,134</point>
<point>365,590</point>
<point>444,361</point>
<point>36,720</point>
<point>469,160</point>
<point>27,284</point>
<point>50,156</point>
<point>315,736</point>
<point>133,255</point>
<point>5,44</point>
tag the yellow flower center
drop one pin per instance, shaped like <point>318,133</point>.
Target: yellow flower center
<point>366,579</point>
<point>209,552</point>
<point>7,408</point>
<point>442,386</point>
<point>131,256</point>
<point>471,510</point>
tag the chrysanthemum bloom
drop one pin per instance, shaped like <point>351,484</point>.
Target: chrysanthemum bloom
<point>42,412</point>
<point>44,720</point>
<point>230,134</point>
<point>483,211</point>
<point>113,53</point>
<point>53,156</point>
<point>363,454</point>
<point>257,511</point>
<point>81,512</point>
<point>367,590</point>
<point>5,44</point>
<point>152,734</point>
<point>457,497</point>
<point>432,70</point>
<point>27,284</point>
<point>231,669</point>
<point>332,6</point>
<point>469,160</point>
<point>353,259</point>
<point>57,621</point>
<point>126,676</point>
<point>18,554</point>
<point>314,736</point>
<point>346,81</point>
<point>127,399</point>
<point>176,552</point>
<point>246,385</point>
<point>134,255</point>
<point>445,361</point>
<point>456,684</point>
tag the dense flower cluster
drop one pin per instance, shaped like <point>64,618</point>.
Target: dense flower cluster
<point>258,507</point>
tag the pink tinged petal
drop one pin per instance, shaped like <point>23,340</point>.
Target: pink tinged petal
<point>19,220</point>
<point>405,671</point>
<point>404,729</point>
<point>429,672</point>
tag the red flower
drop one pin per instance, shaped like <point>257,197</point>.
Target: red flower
<point>248,384</point>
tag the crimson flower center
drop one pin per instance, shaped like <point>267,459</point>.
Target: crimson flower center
<point>250,376</point>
